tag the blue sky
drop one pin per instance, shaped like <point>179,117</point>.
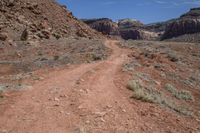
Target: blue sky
<point>147,11</point>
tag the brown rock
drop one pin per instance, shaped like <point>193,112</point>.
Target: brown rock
<point>24,35</point>
<point>46,34</point>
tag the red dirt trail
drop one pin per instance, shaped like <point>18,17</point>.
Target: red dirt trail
<point>83,99</point>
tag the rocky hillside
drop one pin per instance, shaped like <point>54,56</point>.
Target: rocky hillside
<point>188,23</point>
<point>36,19</point>
<point>37,33</point>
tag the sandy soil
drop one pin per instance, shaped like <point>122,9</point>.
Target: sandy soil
<point>87,98</point>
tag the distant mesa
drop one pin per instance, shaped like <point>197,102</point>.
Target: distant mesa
<point>124,28</point>
<point>103,25</point>
<point>129,23</point>
<point>188,23</point>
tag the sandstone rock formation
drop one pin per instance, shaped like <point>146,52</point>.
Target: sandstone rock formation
<point>129,23</point>
<point>138,34</point>
<point>103,25</point>
<point>188,23</point>
<point>193,13</point>
<point>124,28</point>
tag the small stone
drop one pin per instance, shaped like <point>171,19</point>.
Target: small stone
<point>80,107</point>
<point>87,122</point>
<point>56,105</point>
<point>81,90</point>
<point>100,114</point>
<point>3,131</point>
<point>63,95</point>
<point>124,110</point>
<point>24,35</point>
<point>109,106</point>
<point>11,43</point>
<point>79,130</point>
<point>198,120</point>
<point>102,120</point>
<point>67,113</point>
<point>62,112</point>
<point>78,82</point>
<point>41,78</point>
<point>157,82</point>
<point>56,99</point>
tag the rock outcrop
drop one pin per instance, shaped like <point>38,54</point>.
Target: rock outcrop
<point>129,23</point>
<point>193,13</point>
<point>138,34</point>
<point>124,28</point>
<point>103,25</point>
<point>188,23</point>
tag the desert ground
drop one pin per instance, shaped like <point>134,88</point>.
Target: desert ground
<point>99,96</point>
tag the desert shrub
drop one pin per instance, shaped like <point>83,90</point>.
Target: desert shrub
<point>56,57</point>
<point>182,95</point>
<point>140,93</point>
<point>97,57</point>
<point>153,96</point>
<point>185,95</point>
<point>2,88</point>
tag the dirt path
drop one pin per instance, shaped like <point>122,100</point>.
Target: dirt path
<point>89,98</point>
<point>82,99</point>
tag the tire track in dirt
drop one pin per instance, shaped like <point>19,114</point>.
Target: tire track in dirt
<point>56,104</point>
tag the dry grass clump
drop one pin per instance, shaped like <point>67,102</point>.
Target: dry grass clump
<point>151,95</point>
<point>182,95</point>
